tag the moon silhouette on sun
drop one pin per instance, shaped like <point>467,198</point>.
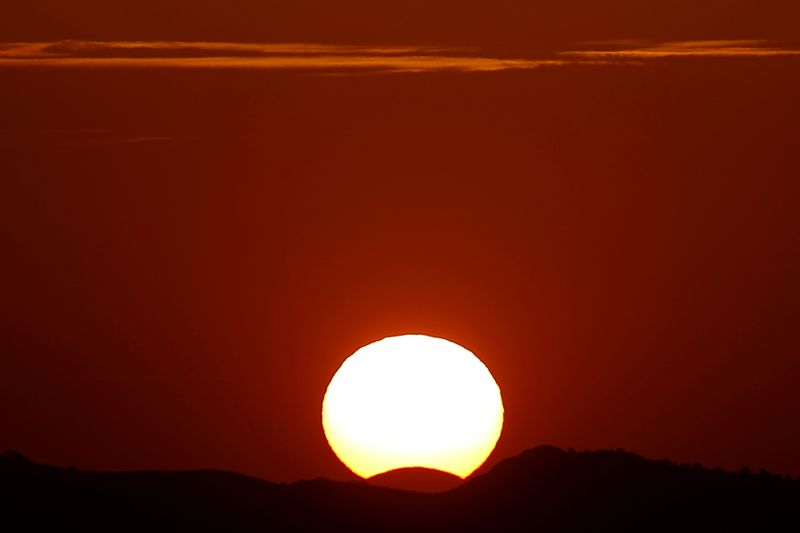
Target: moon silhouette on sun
<point>412,402</point>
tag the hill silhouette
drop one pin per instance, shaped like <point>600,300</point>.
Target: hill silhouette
<point>544,489</point>
<point>417,479</point>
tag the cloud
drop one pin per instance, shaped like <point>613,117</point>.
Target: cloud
<point>156,49</point>
<point>303,56</point>
<point>349,59</point>
<point>638,50</point>
<point>88,137</point>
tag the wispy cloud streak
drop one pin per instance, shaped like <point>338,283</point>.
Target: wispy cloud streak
<point>634,50</point>
<point>354,58</point>
<point>135,54</point>
<point>120,49</point>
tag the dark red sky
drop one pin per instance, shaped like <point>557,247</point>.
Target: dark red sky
<point>189,254</point>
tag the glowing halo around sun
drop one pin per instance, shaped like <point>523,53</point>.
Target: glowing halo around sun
<point>412,401</point>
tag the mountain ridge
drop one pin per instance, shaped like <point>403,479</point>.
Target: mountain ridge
<point>545,488</point>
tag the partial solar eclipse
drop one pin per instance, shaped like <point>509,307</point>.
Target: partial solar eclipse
<point>412,401</point>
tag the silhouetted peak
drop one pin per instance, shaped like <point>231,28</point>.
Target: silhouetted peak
<point>416,479</point>
<point>545,451</point>
<point>16,456</point>
<point>547,454</point>
<point>526,461</point>
<point>541,468</point>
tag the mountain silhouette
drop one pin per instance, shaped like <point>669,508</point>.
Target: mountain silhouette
<point>417,479</point>
<point>544,489</point>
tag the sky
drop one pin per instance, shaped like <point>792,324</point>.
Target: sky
<point>207,206</point>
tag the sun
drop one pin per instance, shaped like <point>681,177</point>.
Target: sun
<point>412,401</point>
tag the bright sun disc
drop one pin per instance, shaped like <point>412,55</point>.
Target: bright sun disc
<point>412,401</point>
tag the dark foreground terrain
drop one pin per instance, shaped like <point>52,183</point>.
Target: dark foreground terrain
<point>542,490</point>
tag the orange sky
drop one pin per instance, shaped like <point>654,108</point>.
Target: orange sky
<point>191,252</point>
